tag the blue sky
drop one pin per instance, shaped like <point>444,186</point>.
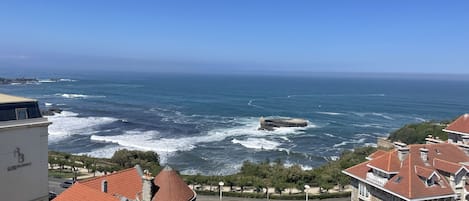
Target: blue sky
<point>236,36</point>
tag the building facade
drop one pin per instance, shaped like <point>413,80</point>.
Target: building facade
<point>23,150</point>
<point>437,170</point>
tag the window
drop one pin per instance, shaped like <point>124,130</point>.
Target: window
<point>363,191</point>
<point>21,113</point>
<point>430,182</point>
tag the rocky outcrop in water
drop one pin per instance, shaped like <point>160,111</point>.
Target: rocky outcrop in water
<point>272,123</point>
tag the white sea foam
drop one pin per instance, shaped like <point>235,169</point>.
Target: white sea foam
<point>165,147</point>
<point>66,80</point>
<point>334,158</point>
<point>362,114</point>
<point>47,81</point>
<point>251,103</point>
<point>331,113</point>
<point>382,115</point>
<point>420,119</point>
<point>355,141</point>
<point>368,125</point>
<point>68,123</point>
<point>303,167</point>
<point>79,96</point>
<point>257,143</point>
<point>48,104</point>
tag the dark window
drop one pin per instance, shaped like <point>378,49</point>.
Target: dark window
<point>21,113</point>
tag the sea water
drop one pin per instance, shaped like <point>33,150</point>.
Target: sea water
<point>209,123</point>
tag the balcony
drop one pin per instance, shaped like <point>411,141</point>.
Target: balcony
<point>376,179</point>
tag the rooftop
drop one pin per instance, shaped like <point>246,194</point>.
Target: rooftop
<point>128,183</point>
<point>407,179</point>
<point>460,125</point>
<point>4,98</point>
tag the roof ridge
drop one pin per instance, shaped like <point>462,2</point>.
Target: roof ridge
<point>106,175</point>
<point>389,161</point>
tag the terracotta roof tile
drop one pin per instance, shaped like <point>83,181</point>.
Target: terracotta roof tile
<point>461,124</point>
<point>377,154</point>
<point>172,187</point>
<point>423,172</point>
<point>388,162</point>
<point>80,192</point>
<point>410,181</point>
<point>127,183</point>
<point>446,166</point>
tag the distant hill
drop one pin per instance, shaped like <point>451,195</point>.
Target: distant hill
<point>416,133</point>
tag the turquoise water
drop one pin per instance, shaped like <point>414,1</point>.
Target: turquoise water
<point>208,124</point>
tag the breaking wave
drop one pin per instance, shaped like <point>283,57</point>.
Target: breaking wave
<point>78,96</point>
<point>257,143</point>
<point>68,123</point>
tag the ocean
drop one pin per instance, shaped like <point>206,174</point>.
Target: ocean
<point>208,124</point>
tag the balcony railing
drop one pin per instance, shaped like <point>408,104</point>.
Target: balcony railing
<point>376,179</point>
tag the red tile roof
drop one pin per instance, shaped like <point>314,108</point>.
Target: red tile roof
<point>423,172</point>
<point>127,183</point>
<point>377,154</point>
<point>460,125</point>
<point>172,187</point>
<point>410,181</point>
<point>80,192</point>
<point>446,166</point>
<point>388,162</point>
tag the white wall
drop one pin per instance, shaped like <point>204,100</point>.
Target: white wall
<point>29,182</point>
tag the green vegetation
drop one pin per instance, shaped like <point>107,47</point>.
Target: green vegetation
<point>260,176</point>
<point>65,173</point>
<point>63,164</point>
<point>416,133</point>
<point>253,177</point>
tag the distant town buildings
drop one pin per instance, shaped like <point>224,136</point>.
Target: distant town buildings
<point>438,170</point>
<point>23,150</point>
<point>130,185</point>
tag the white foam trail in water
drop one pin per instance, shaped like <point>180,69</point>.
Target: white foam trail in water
<point>343,143</point>
<point>257,143</point>
<point>48,104</point>
<point>68,123</point>
<point>78,96</point>
<point>362,114</point>
<point>331,113</point>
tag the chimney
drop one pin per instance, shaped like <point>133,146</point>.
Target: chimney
<point>402,150</point>
<point>139,170</point>
<point>148,188</point>
<point>104,186</point>
<point>424,154</point>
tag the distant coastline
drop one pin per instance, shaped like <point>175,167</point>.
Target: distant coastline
<point>23,80</point>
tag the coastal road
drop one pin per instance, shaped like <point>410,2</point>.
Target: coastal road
<point>54,185</point>
<point>216,198</point>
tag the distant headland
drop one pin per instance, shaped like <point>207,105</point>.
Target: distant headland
<point>18,80</point>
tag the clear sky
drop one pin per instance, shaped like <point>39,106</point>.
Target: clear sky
<point>408,36</point>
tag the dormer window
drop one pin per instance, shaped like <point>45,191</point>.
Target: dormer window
<point>21,113</point>
<point>430,182</point>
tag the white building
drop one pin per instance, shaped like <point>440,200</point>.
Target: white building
<point>23,150</point>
